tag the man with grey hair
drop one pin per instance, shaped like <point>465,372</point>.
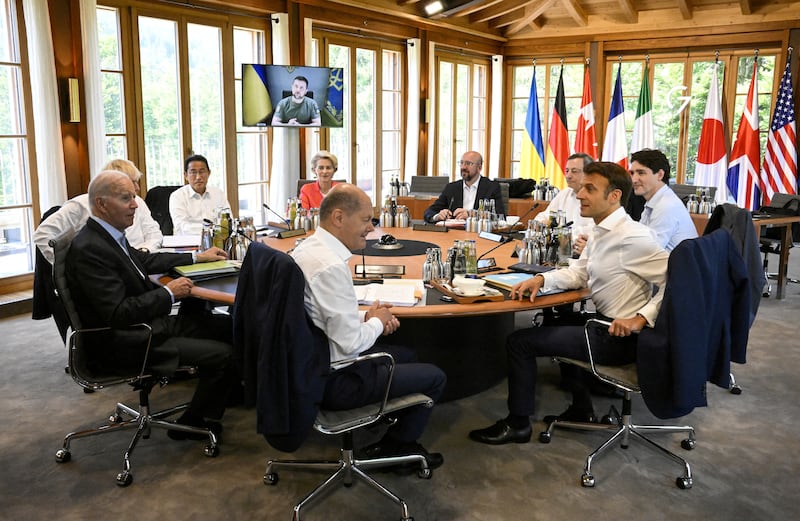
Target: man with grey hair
<point>111,288</point>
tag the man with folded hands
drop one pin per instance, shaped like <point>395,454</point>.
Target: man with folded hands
<point>331,302</point>
<point>111,288</point>
<point>626,277</point>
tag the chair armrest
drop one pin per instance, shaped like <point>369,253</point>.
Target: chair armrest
<point>72,338</point>
<point>593,322</point>
<point>372,356</point>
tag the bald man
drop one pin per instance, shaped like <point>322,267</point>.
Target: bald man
<point>330,300</point>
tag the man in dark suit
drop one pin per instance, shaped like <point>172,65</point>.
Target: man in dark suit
<point>110,285</point>
<point>459,197</point>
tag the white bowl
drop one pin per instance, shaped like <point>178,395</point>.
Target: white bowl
<point>469,287</point>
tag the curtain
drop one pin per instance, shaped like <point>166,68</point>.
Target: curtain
<point>286,141</point>
<point>495,117</point>
<point>46,110</point>
<point>92,87</point>
<point>412,113</point>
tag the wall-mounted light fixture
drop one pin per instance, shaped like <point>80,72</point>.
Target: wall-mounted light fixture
<point>73,101</point>
<point>434,7</point>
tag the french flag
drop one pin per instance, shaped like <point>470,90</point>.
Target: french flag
<point>615,149</point>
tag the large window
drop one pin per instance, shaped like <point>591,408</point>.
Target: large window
<point>547,74</point>
<point>462,109</point>
<point>679,86</point>
<point>369,147</point>
<point>180,94</point>
<point>16,178</point>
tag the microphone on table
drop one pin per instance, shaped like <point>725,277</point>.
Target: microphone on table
<point>503,240</point>
<point>284,221</point>
<point>532,208</point>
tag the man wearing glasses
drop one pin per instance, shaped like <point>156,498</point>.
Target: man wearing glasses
<point>461,196</point>
<point>195,201</point>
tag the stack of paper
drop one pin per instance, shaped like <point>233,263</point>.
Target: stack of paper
<point>203,269</point>
<point>398,292</point>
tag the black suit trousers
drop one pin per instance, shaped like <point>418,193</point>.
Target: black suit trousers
<point>526,345</point>
<point>365,382</point>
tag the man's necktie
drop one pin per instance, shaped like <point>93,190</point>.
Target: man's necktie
<point>125,245</point>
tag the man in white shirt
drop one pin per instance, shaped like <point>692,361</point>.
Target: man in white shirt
<point>567,201</point>
<point>330,300</point>
<point>143,234</point>
<point>626,276</point>
<point>195,201</point>
<point>663,212</point>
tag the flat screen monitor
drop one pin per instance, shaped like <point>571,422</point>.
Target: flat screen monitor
<point>292,96</point>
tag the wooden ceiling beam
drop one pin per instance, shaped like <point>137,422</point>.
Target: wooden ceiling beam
<point>473,7</point>
<point>746,6</point>
<point>575,10</point>
<point>629,13</point>
<point>531,14</point>
<point>498,10</point>
<point>685,7</point>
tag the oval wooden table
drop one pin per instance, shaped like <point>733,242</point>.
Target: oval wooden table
<point>466,340</point>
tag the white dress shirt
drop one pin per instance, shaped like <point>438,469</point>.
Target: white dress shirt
<point>330,298</point>
<point>620,266</point>
<point>188,208</point>
<point>669,219</point>
<point>469,194</point>
<point>73,214</point>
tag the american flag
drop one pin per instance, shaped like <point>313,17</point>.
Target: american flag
<point>779,169</point>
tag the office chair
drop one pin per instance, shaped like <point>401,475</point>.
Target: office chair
<point>86,374</point>
<point>770,239</point>
<point>348,467</point>
<point>285,360</point>
<point>157,199</point>
<point>677,357</point>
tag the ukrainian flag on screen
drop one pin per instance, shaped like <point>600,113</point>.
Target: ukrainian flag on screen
<point>332,113</point>
<point>531,161</point>
<point>256,103</point>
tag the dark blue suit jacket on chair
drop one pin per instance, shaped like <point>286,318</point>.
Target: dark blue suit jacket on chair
<point>283,356</point>
<point>702,326</point>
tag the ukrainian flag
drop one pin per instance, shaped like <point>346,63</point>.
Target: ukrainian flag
<point>256,103</point>
<point>531,163</point>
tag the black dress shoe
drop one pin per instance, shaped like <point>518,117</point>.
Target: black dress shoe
<point>572,414</point>
<point>501,433</point>
<point>388,449</point>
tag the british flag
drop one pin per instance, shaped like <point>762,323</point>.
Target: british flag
<point>743,167</point>
<point>779,169</point>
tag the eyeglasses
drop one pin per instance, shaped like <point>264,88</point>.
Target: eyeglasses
<point>466,163</point>
<point>195,173</point>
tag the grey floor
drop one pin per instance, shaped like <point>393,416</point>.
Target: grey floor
<point>745,464</point>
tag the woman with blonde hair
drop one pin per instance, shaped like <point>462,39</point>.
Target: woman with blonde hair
<point>324,165</point>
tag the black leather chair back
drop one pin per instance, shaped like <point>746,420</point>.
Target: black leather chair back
<point>157,200</point>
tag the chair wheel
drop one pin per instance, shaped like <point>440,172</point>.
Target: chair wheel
<point>735,390</point>
<point>63,456</point>
<point>114,418</point>
<point>587,480</point>
<point>544,437</point>
<point>683,483</point>
<point>687,444</point>
<point>86,390</point>
<point>424,473</point>
<point>124,478</point>
<point>211,451</point>
<point>271,478</point>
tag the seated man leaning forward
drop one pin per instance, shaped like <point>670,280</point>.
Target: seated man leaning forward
<point>345,221</point>
<point>627,266</point>
<point>195,201</point>
<point>459,197</point>
<point>111,288</point>
<point>663,212</point>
